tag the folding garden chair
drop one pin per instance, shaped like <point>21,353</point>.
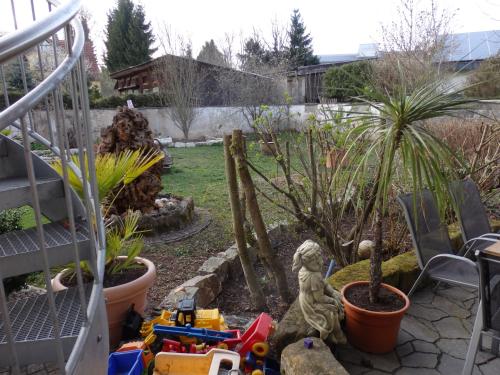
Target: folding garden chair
<point>432,244</point>
<point>488,315</point>
<point>472,217</point>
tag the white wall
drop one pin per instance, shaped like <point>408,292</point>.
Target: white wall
<point>213,122</point>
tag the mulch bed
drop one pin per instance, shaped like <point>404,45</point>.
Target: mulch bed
<point>387,301</point>
<point>235,297</point>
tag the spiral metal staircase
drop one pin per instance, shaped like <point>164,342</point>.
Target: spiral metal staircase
<point>68,328</point>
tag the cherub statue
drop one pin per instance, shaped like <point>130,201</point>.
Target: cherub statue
<point>320,303</point>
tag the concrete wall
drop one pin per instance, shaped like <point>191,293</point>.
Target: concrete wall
<point>213,122</point>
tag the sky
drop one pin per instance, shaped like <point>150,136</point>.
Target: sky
<point>336,26</point>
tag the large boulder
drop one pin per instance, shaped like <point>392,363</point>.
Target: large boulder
<point>204,289</point>
<point>217,265</point>
<point>291,328</point>
<point>319,360</point>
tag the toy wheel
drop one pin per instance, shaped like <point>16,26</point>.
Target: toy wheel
<point>260,349</point>
<point>257,372</point>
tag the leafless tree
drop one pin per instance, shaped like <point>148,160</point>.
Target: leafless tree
<point>414,45</point>
<point>179,79</point>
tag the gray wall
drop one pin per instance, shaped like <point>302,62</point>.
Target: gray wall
<point>213,122</point>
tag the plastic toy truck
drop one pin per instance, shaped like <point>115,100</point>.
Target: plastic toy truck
<point>196,364</point>
<point>125,363</point>
<point>185,314</point>
<point>147,355</point>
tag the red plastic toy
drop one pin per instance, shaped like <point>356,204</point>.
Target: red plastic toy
<point>255,338</point>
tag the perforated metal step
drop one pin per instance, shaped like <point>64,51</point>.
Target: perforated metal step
<point>20,252</point>
<point>15,191</point>
<point>33,329</point>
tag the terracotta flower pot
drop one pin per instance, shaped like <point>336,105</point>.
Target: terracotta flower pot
<point>370,331</point>
<point>333,158</point>
<point>267,148</point>
<point>119,298</point>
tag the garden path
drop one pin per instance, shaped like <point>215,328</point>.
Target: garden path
<point>434,338</point>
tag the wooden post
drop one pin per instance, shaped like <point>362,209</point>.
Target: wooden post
<point>256,293</point>
<point>265,248</point>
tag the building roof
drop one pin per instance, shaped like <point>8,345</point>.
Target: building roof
<point>478,45</point>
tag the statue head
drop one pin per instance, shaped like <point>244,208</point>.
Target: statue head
<point>308,255</point>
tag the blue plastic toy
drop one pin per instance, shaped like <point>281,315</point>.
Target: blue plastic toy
<point>268,366</point>
<point>204,334</point>
<point>125,363</point>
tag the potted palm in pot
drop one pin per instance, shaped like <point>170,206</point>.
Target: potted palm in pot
<point>127,276</point>
<point>395,143</point>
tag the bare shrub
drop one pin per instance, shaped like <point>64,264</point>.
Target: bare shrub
<point>478,142</point>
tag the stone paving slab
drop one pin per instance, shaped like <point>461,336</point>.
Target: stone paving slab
<point>433,340</point>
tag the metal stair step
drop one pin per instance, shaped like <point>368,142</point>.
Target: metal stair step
<point>33,328</point>
<point>15,191</point>
<point>20,252</point>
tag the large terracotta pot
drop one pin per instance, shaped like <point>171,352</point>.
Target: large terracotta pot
<point>370,331</point>
<point>119,298</point>
<point>267,147</point>
<point>333,158</point>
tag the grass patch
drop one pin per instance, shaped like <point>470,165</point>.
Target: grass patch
<point>199,172</point>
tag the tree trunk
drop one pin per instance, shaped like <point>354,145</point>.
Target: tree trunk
<point>376,259</point>
<point>258,223</point>
<point>130,131</point>
<point>256,293</point>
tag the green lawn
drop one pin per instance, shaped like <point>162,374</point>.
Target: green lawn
<point>199,172</point>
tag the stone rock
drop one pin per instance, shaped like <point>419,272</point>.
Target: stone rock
<point>241,322</point>
<point>319,360</point>
<point>364,249</point>
<point>425,347</point>
<point>427,360</point>
<point>450,308</point>
<point>204,289</point>
<point>179,144</point>
<point>418,330</point>
<point>491,368</point>
<point>404,349</point>
<point>428,313</point>
<point>190,144</point>
<point>233,259</point>
<point>451,328</point>
<point>291,328</point>
<point>217,265</point>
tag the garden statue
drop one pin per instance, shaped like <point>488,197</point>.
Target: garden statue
<point>319,302</point>
<point>130,131</point>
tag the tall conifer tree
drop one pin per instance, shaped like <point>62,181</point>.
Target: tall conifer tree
<point>300,49</point>
<point>129,37</point>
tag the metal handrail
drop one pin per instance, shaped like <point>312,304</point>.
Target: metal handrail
<point>35,96</point>
<point>22,40</point>
<point>16,44</point>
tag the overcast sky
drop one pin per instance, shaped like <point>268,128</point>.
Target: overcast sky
<point>336,26</point>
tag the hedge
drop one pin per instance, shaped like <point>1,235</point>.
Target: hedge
<point>111,102</point>
<point>139,100</point>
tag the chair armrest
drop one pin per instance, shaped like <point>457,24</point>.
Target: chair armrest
<point>455,258</point>
<point>494,235</point>
<point>469,245</point>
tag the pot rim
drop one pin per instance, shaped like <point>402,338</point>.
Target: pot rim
<point>150,267</point>
<point>376,313</point>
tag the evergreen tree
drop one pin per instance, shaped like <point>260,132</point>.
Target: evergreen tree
<point>15,78</point>
<point>128,37</point>
<point>254,54</point>
<point>188,51</point>
<point>300,49</point>
<point>210,54</point>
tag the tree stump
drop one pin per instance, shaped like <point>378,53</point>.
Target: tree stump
<point>130,131</point>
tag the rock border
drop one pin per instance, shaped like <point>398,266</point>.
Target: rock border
<point>207,284</point>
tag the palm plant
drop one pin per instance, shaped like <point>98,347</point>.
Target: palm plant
<point>113,170</point>
<point>396,143</point>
